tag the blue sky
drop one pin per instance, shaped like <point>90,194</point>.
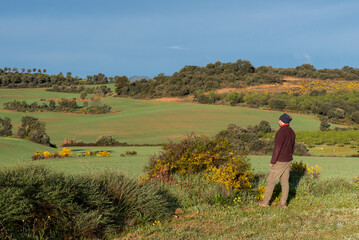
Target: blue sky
<point>149,37</point>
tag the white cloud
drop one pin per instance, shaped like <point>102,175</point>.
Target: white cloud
<point>176,48</point>
<point>307,57</point>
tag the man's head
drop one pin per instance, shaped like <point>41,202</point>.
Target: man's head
<point>284,119</point>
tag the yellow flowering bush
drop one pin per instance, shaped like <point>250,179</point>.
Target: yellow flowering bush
<point>193,154</point>
<point>314,171</point>
<point>210,156</point>
<point>233,174</point>
<point>103,154</point>
<point>261,190</point>
<point>47,154</point>
<point>38,153</point>
<point>65,152</point>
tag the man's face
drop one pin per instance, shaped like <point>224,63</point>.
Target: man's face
<point>280,123</point>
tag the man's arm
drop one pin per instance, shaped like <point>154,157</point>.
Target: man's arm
<point>278,144</point>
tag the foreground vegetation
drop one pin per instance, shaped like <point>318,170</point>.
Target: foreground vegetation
<point>310,215</point>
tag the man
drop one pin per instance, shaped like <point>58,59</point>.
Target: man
<point>281,161</point>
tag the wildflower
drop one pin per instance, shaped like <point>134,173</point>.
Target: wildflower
<point>38,153</point>
<point>47,154</point>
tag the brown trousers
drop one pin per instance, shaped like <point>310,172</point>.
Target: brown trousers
<point>279,170</point>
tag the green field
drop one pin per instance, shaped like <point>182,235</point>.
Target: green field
<point>17,151</point>
<point>143,121</point>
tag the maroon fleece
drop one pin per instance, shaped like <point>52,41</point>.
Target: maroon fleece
<point>283,145</point>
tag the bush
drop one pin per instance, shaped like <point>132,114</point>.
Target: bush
<point>39,203</point>
<point>106,141</point>
<point>234,98</point>
<point>300,149</point>
<point>336,113</point>
<point>234,174</point>
<point>201,155</point>
<point>34,130</point>
<point>264,126</point>
<point>5,127</point>
<point>277,104</point>
<point>355,116</point>
<point>299,168</point>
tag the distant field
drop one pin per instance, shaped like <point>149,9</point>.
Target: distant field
<point>143,121</point>
<point>17,151</point>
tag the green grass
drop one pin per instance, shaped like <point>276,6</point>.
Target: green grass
<point>327,216</point>
<point>17,152</point>
<point>143,121</point>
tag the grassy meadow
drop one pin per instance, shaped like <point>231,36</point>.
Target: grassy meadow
<point>17,152</point>
<point>142,121</point>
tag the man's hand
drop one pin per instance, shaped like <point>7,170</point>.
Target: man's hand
<point>271,164</point>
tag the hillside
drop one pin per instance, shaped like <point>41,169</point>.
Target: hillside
<point>142,121</point>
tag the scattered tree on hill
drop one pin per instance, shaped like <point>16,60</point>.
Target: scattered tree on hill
<point>5,127</point>
<point>122,85</point>
<point>83,95</point>
<point>34,130</point>
<point>324,125</point>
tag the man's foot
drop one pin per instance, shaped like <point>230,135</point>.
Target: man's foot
<point>262,204</point>
<point>282,205</point>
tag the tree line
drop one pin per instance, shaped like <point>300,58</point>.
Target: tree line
<point>219,75</point>
<point>34,78</point>
<point>65,105</point>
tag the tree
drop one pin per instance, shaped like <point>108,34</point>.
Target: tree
<point>34,130</point>
<point>122,85</point>
<point>264,126</point>
<point>5,127</point>
<point>83,95</point>
<point>234,97</point>
<point>324,125</point>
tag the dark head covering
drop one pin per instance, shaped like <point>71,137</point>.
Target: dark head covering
<point>285,118</point>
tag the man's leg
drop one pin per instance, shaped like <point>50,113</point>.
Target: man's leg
<point>274,174</point>
<point>284,181</point>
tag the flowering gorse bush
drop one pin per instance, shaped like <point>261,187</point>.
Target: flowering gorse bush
<point>96,154</point>
<point>47,155</point>
<point>103,154</point>
<point>314,171</point>
<point>233,174</point>
<point>261,190</point>
<point>65,152</point>
<point>211,157</point>
<point>299,167</point>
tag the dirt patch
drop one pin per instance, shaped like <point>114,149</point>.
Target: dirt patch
<point>69,99</point>
<point>227,90</point>
<point>187,99</point>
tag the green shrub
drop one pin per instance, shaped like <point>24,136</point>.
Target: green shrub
<point>36,202</point>
<point>336,113</point>
<point>300,149</point>
<point>234,98</point>
<point>299,168</point>
<point>5,127</point>
<point>106,141</point>
<point>277,104</point>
